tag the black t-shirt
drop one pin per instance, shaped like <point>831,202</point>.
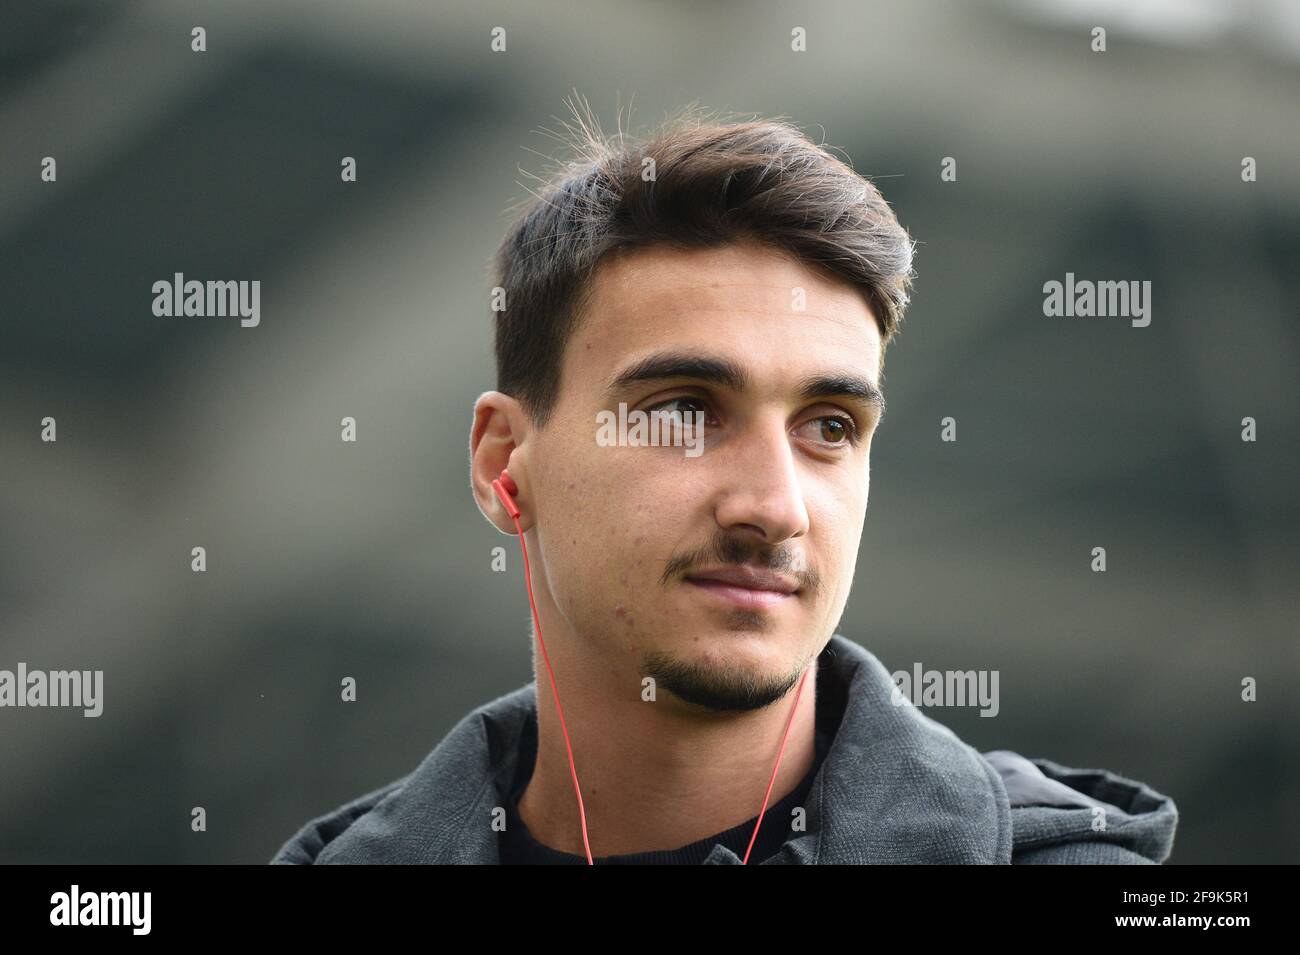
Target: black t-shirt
<point>518,847</point>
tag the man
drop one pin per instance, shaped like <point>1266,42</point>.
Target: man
<point>738,284</point>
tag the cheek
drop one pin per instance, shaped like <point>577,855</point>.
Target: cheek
<point>836,551</point>
<point>620,595</point>
<point>588,544</point>
<point>631,564</point>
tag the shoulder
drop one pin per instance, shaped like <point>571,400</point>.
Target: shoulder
<point>306,844</point>
<point>1064,815</point>
<point>391,824</point>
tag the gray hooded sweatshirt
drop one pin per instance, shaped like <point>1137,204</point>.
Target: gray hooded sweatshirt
<point>896,786</point>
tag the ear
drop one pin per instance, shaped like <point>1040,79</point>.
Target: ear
<point>497,441</point>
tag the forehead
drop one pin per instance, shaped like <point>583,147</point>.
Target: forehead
<point>760,306</point>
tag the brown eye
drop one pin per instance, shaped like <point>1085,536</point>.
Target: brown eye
<point>670,404</point>
<point>838,430</point>
<point>833,430</point>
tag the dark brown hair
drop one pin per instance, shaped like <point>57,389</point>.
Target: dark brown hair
<point>713,183</point>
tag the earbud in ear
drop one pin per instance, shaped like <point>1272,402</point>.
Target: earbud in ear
<point>506,490</point>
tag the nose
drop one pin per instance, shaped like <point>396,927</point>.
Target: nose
<point>763,490</point>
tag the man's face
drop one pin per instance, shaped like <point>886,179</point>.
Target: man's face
<point>780,488</point>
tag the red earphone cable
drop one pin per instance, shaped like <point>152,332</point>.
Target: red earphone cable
<point>508,500</point>
<point>781,752</point>
<point>537,624</point>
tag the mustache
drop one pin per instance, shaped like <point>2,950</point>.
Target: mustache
<point>729,548</point>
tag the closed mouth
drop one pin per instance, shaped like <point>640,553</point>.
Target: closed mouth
<point>747,586</point>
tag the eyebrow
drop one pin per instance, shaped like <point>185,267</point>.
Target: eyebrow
<point>727,374</point>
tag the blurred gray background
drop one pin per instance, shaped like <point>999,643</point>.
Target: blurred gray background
<point>328,560</point>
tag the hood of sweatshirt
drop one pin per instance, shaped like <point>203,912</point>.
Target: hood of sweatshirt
<point>896,786</point>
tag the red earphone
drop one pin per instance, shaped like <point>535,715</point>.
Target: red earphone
<point>506,490</point>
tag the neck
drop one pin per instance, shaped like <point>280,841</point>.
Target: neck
<point>654,775</point>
